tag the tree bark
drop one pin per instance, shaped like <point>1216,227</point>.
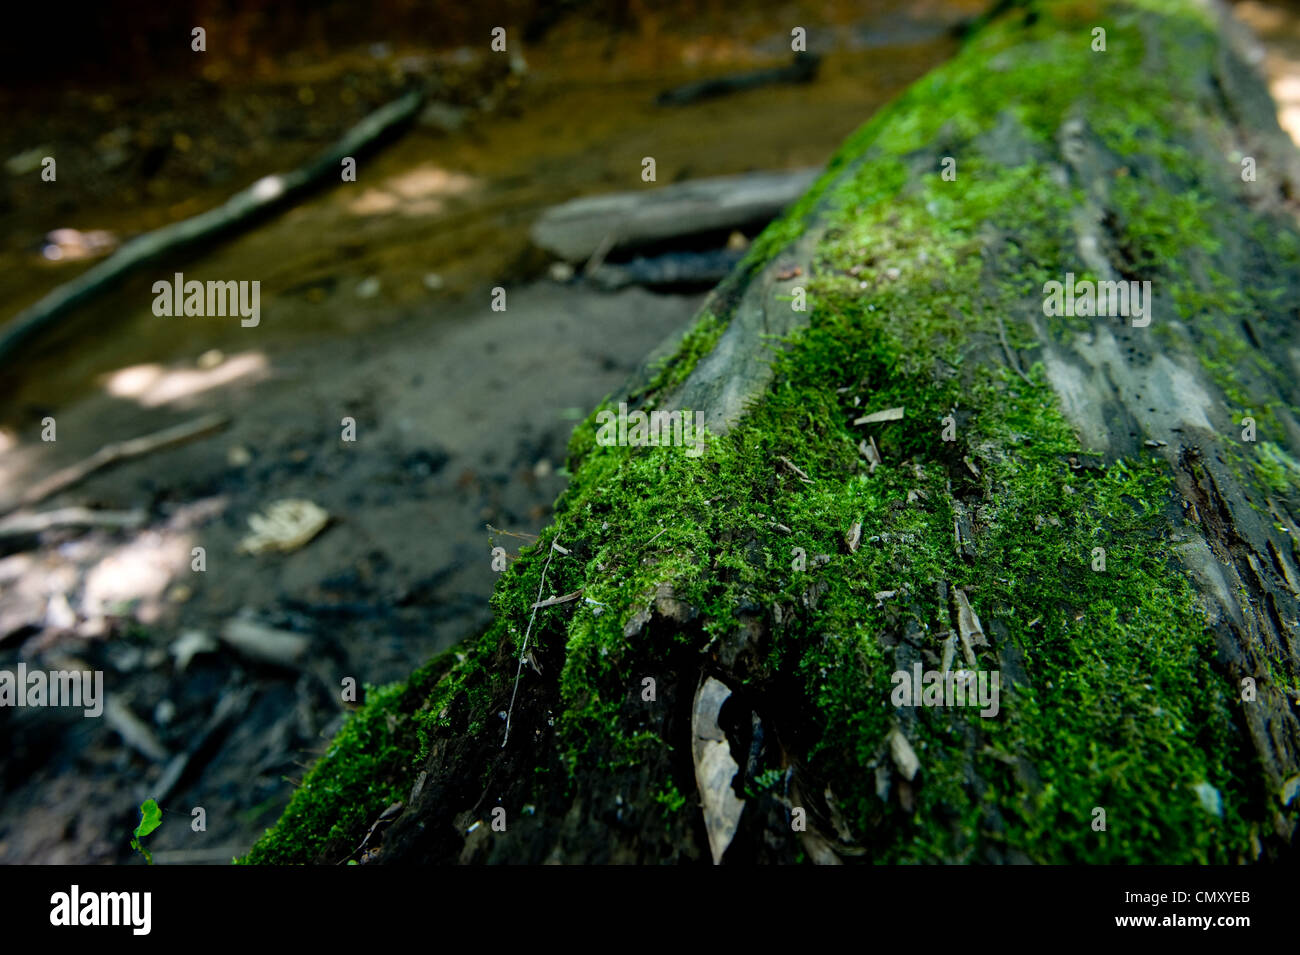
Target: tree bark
<point>1078,503</point>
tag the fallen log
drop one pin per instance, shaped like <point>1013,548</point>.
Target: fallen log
<point>1095,513</point>
<point>578,230</point>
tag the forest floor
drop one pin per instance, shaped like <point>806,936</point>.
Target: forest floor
<point>375,300</point>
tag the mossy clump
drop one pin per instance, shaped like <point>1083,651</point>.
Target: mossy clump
<point>369,765</point>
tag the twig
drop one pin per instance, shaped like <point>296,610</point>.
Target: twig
<point>22,525</point>
<point>598,257</point>
<point>879,417</point>
<point>121,451</point>
<point>519,672</point>
<point>552,601</point>
<point>521,536</point>
<point>231,704</point>
<point>798,471</point>
<point>1012,360</point>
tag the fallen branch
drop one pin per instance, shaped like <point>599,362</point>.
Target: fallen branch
<point>590,228</point>
<point>25,525</point>
<point>262,197</point>
<point>802,70</point>
<point>120,451</point>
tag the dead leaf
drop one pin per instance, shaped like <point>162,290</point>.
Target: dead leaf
<point>968,623</point>
<point>889,414</point>
<point>714,767</point>
<point>854,537</point>
<point>867,448</point>
<point>284,526</point>
<point>904,756</point>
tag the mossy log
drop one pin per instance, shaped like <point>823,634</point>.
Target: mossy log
<point>1102,509</point>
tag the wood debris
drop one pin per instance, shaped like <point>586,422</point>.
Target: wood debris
<point>903,754</point>
<point>889,414</point>
<point>798,472</point>
<point>266,644</point>
<point>854,537</point>
<point>21,524</point>
<point>121,451</point>
<point>867,448</point>
<point>134,731</point>
<point>552,601</point>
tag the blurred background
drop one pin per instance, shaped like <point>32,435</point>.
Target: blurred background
<point>376,305</point>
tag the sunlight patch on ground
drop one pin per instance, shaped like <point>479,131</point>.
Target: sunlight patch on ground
<point>151,385</point>
<point>82,584</point>
<point>136,574</point>
<point>417,192</point>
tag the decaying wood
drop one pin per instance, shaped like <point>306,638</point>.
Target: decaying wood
<point>577,230</point>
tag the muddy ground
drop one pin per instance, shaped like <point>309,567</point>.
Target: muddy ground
<point>454,432</point>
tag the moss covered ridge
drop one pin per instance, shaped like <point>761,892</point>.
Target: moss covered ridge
<point>921,291</point>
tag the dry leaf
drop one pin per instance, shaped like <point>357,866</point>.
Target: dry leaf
<point>854,537</point>
<point>967,621</point>
<point>285,526</point>
<point>904,756</point>
<point>714,767</point>
<point>867,448</point>
<point>889,414</point>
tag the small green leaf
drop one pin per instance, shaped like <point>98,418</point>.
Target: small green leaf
<point>150,818</point>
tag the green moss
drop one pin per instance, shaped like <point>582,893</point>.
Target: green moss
<point>370,764</point>
<point>1116,703</point>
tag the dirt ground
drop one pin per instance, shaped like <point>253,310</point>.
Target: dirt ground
<point>454,432</point>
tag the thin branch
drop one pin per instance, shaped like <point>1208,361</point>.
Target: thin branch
<point>520,671</point>
<point>552,601</point>
<point>122,450</point>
